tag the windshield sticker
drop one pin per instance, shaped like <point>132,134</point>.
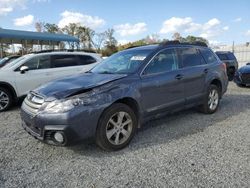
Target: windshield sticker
<point>137,58</point>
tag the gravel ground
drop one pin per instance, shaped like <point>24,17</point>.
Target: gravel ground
<point>187,149</point>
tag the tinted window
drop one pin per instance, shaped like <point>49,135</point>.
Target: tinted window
<point>163,62</point>
<point>85,60</point>
<point>231,56</point>
<point>208,55</point>
<point>191,57</point>
<point>42,62</point>
<point>64,61</point>
<point>222,56</point>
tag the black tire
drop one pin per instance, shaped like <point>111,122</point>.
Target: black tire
<point>206,108</point>
<point>231,73</point>
<point>241,85</point>
<point>104,124</point>
<point>5,94</point>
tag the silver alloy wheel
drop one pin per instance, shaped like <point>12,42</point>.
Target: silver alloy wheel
<point>213,99</point>
<point>4,100</point>
<point>119,128</point>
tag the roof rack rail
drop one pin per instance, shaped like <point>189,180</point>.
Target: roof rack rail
<point>176,42</point>
<point>64,50</point>
<point>135,46</point>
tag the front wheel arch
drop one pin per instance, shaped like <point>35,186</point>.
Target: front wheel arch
<point>100,135</point>
<point>10,88</point>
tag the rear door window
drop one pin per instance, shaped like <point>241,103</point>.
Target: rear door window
<point>86,60</point>
<point>208,55</point>
<point>190,57</point>
<point>64,61</point>
<point>163,62</point>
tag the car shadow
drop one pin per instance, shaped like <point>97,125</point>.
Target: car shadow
<point>173,127</point>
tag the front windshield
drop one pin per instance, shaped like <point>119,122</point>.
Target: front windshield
<point>124,62</point>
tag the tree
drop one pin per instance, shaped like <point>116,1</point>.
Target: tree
<point>110,39</point>
<point>176,36</point>
<point>152,39</point>
<point>85,35</point>
<point>191,39</point>
<point>39,26</point>
<point>71,29</point>
<point>51,28</point>
<point>99,40</point>
<point>110,43</point>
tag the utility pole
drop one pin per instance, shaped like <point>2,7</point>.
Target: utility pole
<point>1,50</point>
<point>233,47</point>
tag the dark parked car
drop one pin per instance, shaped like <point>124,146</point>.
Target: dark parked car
<point>242,76</point>
<point>231,62</point>
<point>8,59</point>
<point>117,96</point>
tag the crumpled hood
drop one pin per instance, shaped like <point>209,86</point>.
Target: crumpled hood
<point>71,85</point>
<point>245,69</point>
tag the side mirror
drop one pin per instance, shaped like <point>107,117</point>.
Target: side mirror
<point>248,63</point>
<point>23,69</point>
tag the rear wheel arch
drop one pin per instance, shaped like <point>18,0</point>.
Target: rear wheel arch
<point>217,83</point>
<point>232,67</point>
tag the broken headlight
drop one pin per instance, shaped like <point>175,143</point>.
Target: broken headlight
<point>61,106</point>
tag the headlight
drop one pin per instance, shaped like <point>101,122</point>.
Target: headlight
<point>61,106</point>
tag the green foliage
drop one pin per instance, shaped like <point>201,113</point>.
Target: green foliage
<point>109,50</point>
<point>189,38</point>
<point>51,28</point>
<point>110,44</point>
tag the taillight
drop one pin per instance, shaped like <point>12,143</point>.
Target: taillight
<point>224,67</point>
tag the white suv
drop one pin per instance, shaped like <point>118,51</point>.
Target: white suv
<point>30,71</point>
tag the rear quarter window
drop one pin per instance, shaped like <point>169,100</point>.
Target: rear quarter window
<point>59,61</point>
<point>86,60</point>
<point>208,55</point>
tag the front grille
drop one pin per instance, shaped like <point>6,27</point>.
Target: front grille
<point>49,135</point>
<point>245,77</point>
<point>32,103</point>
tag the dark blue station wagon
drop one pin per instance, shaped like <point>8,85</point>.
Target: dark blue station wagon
<point>117,96</point>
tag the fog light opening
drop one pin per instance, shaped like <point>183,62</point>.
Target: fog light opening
<point>59,137</point>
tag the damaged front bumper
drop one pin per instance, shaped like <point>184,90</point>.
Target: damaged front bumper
<point>64,128</point>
